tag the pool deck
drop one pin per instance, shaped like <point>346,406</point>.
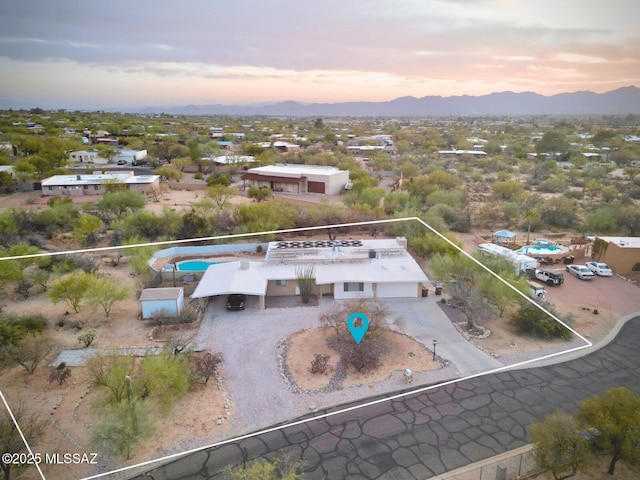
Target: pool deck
<point>161,262</point>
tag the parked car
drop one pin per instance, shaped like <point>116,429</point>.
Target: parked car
<point>550,278</point>
<point>537,291</point>
<point>235,301</point>
<point>599,268</point>
<point>122,162</point>
<point>580,271</point>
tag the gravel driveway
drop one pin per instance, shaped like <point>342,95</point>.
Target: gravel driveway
<point>260,395</point>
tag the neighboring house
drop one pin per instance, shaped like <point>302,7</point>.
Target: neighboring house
<point>95,184</point>
<point>231,159</point>
<point>169,301</point>
<point>454,154</point>
<point>8,169</point>
<point>130,156</point>
<point>342,269</point>
<point>298,178</point>
<point>87,156</point>
<point>622,254</point>
<point>286,147</point>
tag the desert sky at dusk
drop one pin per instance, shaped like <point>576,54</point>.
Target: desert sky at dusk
<point>86,54</point>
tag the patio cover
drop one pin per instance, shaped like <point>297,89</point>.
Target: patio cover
<point>503,236</point>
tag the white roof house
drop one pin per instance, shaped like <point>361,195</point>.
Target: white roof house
<point>344,269</point>
<point>622,254</point>
<point>292,178</point>
<point>95,184</point>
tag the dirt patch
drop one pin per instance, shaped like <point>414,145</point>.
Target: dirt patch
<point>69,410</point>
<point>402,352</point>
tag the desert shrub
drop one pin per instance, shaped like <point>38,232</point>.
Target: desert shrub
<point>87,339</point>
<point>14,328</point>
<point>218,179</point>
<point>530,320</point>
<point>59,374</point>
<point>319,363</point>
<point>206,365</point>
<point>163,317</point>
<point>363,357</point>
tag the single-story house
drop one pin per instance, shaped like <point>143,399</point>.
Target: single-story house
<point>87,156</point>
<point>297,178</point>
<point>342,269</point>
<point>169,301</point>
<point>454,154</point>
<point>622,254</point>
<point>130,156</point>
<point>96,183</point>
<point>231,159</point>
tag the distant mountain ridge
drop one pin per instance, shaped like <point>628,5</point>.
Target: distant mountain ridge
<point>621,101</point>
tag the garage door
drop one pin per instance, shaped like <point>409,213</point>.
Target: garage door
<point>397,290</point>
<point>315,187</point>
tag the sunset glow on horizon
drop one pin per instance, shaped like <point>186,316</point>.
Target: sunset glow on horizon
<point>72,54</point>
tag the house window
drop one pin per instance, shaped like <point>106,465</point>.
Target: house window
<point>354,287</point>
<point>50,188</point>
<point>96,187</point>
<point>281,283</point>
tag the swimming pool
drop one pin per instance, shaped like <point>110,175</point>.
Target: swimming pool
<point>540,250</point>
<point>194,265</point>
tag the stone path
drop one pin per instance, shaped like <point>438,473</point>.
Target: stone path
<point>421,435</point>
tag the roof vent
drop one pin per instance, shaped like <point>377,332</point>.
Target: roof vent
<point>244,264</point>
<point>78,177</point>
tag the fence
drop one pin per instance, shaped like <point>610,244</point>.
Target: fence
<point>515,464</point>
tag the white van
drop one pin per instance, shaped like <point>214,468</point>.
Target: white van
<point>537,291</point>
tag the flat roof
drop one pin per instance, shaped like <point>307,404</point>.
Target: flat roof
<point>332,265</point>
<point>164,293</point>
<point>295,170</point>
<point>127,178</point>
<point>623,242</point>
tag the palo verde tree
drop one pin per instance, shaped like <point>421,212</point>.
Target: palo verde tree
<point>559,445</point>
<point>70,289</point>
<point>120,203</point>
<point>104,292</point>
<point>615,416</point>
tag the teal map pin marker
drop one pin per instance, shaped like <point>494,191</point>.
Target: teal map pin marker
<point>358,329</point>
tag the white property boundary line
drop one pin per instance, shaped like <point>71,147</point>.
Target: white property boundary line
<point>167,458</point>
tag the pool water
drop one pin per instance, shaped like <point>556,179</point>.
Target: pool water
<point>540,250</point>
<point>194,265</point>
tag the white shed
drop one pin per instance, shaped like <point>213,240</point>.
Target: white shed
<point>170,299</point>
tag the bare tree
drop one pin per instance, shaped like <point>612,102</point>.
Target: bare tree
<point>207,364</point>
<point>30,351</point>
<point>10,440</point>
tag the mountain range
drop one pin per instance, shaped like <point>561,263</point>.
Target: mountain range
<point>625,100</point>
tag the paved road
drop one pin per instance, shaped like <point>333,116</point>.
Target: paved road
<point>425,434</point>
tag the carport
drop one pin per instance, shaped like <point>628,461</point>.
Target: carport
<point>233,277</point>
